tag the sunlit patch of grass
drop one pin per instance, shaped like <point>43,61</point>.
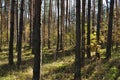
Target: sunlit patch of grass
<point>19,75</point>
<point>108,70</point>
<point>58,69</point>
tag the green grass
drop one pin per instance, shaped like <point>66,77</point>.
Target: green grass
<point>60,69</point>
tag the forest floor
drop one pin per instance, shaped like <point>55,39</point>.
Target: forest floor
<point>60,69</point>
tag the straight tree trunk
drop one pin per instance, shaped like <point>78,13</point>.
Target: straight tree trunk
<point>37,41</point>
<point>77,75</point>
<point>8,20</point>
<point>66,15</point>
<point>83,30</point>
<point>117,23</point>
<point>98,24</point>
<point>11,33</point>
<point>58,31</point>
<point>20,34</point>
<point>93,15</point>
<point>49,24</point>
<point>110,25</point>
<point>1,27</point>
<point>88,29</point>
<point>33,32</point>
<point>62,24</point>
<point>107,10</point>
<point>31,21</point>
<point>6,14</point>
<point>17,24</point>
<point>44,23</point>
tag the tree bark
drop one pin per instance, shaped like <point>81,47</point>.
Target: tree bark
<point>49,24</point>
<point>31,21</point>
<point>77,75</point>
<point>44,23</point>
<point>62,25</point>
<point>11,33</point>
<point>98,24</point>
<point>1,30</point>
<point>20,34</point>
<point>83,30</point>
<point>88,29</point>
<point>17,30</point>
<point>37,41</point>
<point>58,31</point>
<point>93,14</point>
<point>109,35</point>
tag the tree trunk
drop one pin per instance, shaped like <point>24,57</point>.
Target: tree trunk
<point>17,24</point>
<point>93,15</point>
<point>20,34</point>
<point>62,24</point>
<point>33,32</point>
<point>58,35</point>
<point>1,32</point>
<point>37,41</point>
<point>83,30</point>
<point>44,23</point>
<point>8,20</point>
<point>49,24</point>
<point>11,33</point>
<point>117,24</point>
<point>88,29</point>
<point>31,21</point>
<point>66,16</point>
<point>77,75</point>
<point>98,24</point>
<point>109,36</point>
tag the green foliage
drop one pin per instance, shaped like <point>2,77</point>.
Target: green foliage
<point>60,69</point>
<point>111,75</point>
